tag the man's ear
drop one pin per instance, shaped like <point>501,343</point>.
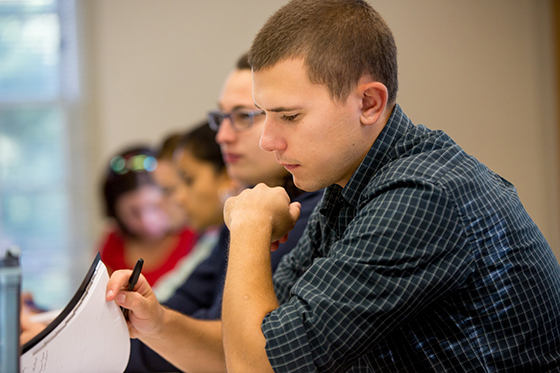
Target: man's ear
<point>374,101</point>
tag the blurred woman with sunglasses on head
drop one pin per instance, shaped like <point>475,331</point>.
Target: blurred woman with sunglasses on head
<point>142,225</point>
<point>137,196</point>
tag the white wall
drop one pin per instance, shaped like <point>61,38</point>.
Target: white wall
<point>481,70</point>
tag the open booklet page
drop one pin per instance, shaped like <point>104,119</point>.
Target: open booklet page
<point>89,335</point>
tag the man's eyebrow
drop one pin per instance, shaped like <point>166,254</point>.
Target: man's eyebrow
<point>280,109</point>
<point>238,107</point>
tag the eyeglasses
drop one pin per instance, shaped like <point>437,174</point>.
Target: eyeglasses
<point>241,120</point>
<point>136,163</point>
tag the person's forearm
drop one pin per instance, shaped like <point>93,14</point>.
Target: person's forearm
<point>248,297</point>
<point>191,345</point>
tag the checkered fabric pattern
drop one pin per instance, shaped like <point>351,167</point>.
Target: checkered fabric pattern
<point>426,261</point>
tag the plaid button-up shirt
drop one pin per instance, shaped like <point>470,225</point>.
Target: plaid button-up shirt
<point>425,261</point>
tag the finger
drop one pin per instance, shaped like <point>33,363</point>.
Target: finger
<point>29,329</point>
<point>128,299</point>
<point>25,337</point>
<point>145,315</point>
<point>285,238</point>
<point>276,244</point>
<point>118,280</point>
<point>135,302</point>
<point>295,210</point>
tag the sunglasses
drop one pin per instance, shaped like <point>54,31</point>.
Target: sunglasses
<point>135,163</point>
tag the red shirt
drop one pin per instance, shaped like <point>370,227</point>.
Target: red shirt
<point>112,254</point>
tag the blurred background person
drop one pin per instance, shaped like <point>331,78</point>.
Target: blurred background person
<point>205,182</point>
<point>167,177</point>
<point>201,192</point>
<point>201,187</point>
<point>141,226</point>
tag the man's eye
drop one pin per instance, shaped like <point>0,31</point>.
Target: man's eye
<point>290,118</point>
<point>188,180</point>
<point>242,117</point>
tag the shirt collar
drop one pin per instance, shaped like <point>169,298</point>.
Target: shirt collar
<point>379,154</point>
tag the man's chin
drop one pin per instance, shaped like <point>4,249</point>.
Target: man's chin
<point>305,185</point>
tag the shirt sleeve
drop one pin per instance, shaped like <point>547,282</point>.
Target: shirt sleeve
<point>402,251</point>
<point>199,291</point>
<point>192,298</point>
<point>296,262</point>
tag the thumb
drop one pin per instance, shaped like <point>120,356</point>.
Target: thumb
<point>295,211</point>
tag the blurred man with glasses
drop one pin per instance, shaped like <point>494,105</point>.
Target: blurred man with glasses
<point>194,343</point>
<point>241,120</point>
<point>239,123</point>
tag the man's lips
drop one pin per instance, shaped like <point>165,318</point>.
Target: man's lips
<point>289,166</point>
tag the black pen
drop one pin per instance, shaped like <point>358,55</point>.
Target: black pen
<point>133,279</point>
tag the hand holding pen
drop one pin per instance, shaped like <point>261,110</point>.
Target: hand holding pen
<point>146,312</point>
<point>133,280</point>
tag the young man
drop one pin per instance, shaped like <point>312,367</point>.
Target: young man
<point>419,258</point>
<point>193,343</point>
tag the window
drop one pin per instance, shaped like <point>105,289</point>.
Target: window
<point>39,91</point>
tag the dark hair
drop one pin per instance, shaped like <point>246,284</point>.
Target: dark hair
<point>201,143</point>
<point>340,41</point>
<point>168,146</point>
<point>243,62</point>
<point>127,171</point>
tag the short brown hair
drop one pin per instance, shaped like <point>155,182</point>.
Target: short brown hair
<point>243,62</point>
<point>339,40</point>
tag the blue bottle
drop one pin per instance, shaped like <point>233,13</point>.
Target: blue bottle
<point>10,291</point>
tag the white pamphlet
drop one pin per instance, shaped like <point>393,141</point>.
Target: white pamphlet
<point>88,335</point>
